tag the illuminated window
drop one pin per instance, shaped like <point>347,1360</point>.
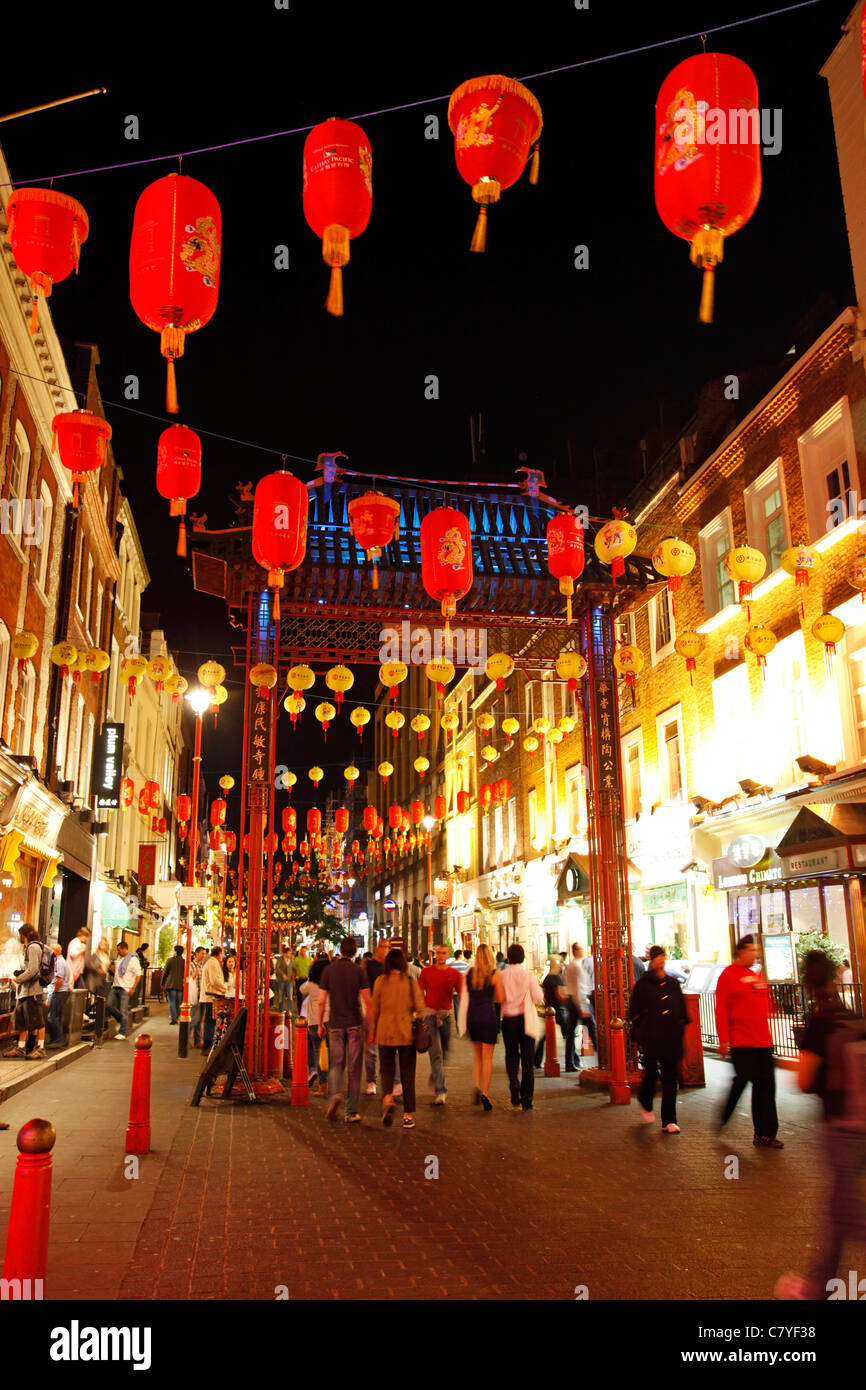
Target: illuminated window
<point>26,696</point>
<point>45,547</point>
<point>786,696</point>
<point>715,542</point>
<point>575,798</point>
<point>512,828</point>
<point>828,459</point>
<point>497,834</point>
<point>734,726</point>
<point>4,668</point>
<point>765,514</point>
<point>533,814</point>
<point>661,621</point>
<point>632,768</point>
<point>670,755</point>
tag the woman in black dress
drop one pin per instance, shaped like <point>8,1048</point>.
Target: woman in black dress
<point>484,992</point>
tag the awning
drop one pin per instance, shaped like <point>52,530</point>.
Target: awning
<point>114,912</point>
<point>11,845</point>
<point>574,878</point>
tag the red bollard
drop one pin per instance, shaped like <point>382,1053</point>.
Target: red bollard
<point>551,1065</point>
<point>278,1033</point>
<point>620,1091</point>
<point>27,1237</point>
<point>300,1086</point>
<point>138,1129</point>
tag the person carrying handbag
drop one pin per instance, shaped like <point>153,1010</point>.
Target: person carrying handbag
<point>397,1000</point>
<point>520,1027</point>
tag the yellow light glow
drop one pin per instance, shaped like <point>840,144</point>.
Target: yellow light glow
<point>723,616</point>
<point>838,533</point>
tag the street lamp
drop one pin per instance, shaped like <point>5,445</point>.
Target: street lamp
<point>199,701</point>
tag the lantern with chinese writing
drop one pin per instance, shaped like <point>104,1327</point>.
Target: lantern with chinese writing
<point>280,513</point>
<point>614,541</point>
<point>356,848</point>
<point>392,674</point>
<point>567,724</point>
<point>707,179</point>
<point>338,194</point>
<point>96,661</point>
<point>289,842</point>
<point>395,817</point>
<point>510,727</point>
<point>294,705</point>
<point>264,678</point>
<point>441,673</point>
<point>464,802</point>
<point>289,818</point>
<point>446,558</point>
<point>489,754</point>
<point>81,439</point>
<point>395,721</point>
<point>341,820</point>
<point>540,726</point>
<point>856,575</point>
<point>339,679</point>
<point>498,668</point>
<point>571,667</point>
<point>132,670</point>
<point>315,775</point>
<point>370,818</point>
<point>127,791</point>
<point>299,678</point>
<point>177,686</point>
<point>531,745</point>
<point>760,641</point>
<point>218,812</point>
<point>359,717</point>
<point>144,802</point>
<point>565,556</point>
<point>63,654</point>
<point>325,712</point>
<point>314,823</point>
<point>178,472</point>
<point>211,674</point>
<point>230,841</point>
<point>485,722</point>
<point>183,807</point>
<point>555,736</point>
<point>485,795</point>
<point>674,559</point>
<point>829,630</point>
<point>351,773</point>
<point>800,560</point>
<point>420,724</point>
<point>174,264</point>
<point>78,668</point>
<point>227,782</point>
<point>374,521</point>
<point>746,565</point>
<point>46,232</point>
<point>289,780</point>
<point>629,661</point>
<point>385,769</point>
<point>450,723</point>
<point>416,811</point>
<point>689,645</point>
<point>151,792</point>
<point>439,807</point>
<point>421,764</point>
<point>159,669</point>
<point>495,121</point>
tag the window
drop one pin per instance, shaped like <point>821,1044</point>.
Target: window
<point>715,542</point>
<point>497,834</point>
<point>45,546</point>
<point>828,460</point>
<point>63,725</point>
<point>766,516</point>
<point>670,755</point>
<point>575,804</point>
<point>533,815</point>
<point>786,697</point>
<point>854,671</point>
<point>19,467</point>
<point>97,616</point>
<point>661,621</point>
<point>530,705</point>
<point>26,693</point>
<point>73,756</point>
<point>88,590</point>
<point>547,702</point>
<point>632,771</point>
<point>624,630</point>
<point>512,827</point>
<point>735,727</point>
<point>4,669</point>
<point>485,839</point>
<point>86,757</point>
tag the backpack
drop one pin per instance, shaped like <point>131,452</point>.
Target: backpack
<point>845,1074</point>
<point>46,964</point>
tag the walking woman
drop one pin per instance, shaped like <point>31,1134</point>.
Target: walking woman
<point>517,983</point>
<point>483,993</point>
<point>397,999</point>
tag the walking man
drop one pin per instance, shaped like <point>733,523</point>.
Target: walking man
<point>59,997</point>
<point>658,1018</point>
<point>439,983</point>
<point>345,986</point>
<point>127,973</point>
<point>172,983</point>
<point>743,1026</point>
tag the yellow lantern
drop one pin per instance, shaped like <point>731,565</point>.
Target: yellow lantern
<point>395,721</point>
<point>392,674</point>
<point>96,661</point>
<point>489,754</point>
<point>294,705</point>
<point>264,678</point>
<point>673,559</point>
<point>299,678</point>
<point>159,670</point>
<point>614,541</point>
<point>629,662</point>
<point>315,775</point>
<point>829,630</point>
<point>857,575</point>
<point>78,668</point>
<point>421,765</point>
<point>450,723</point>
<point>498,668</point>
<point>339,679</point>
<point>441,673</point>
<point>23,646</point>
<point>800,560</point>
<point>351,773</point>
<point>359,718</point>
<point>485,722</point>
<point>62,655</point>
<point>289,780</point>
<point>531,745</point>
<point>211,674</point>
<point>567,724</point>
<point>325,712</point>
<point>555,736</point>
<point>571,667</point>
<point>760,641</point>
<point>177,686</point>
<point>540,726</point>
<point>227,783</point>
<point>219,697</point>
<point>746,565</point>
<point>420,724</point>
<point>510,727</point>
<point>384,770</point>
<point>689,645</point>
<point>132,670</point>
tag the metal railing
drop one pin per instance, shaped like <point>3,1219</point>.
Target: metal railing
<point>789,1010</point>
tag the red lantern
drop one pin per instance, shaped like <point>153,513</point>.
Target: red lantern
<point>144,801</point>
<point>270,843</point>
<point>286,843</point>
<point>386,844</point>
<point>178,472</point>
<point>356,848</point>
<point>341,820</point>
<point>279,527</point>
<point>446,557</point>
<point>707,179</point>
<point>374,521</point>
<point>495,121</point>
<point>152,790</point>
<point>395,817</point>
<point>278,870</point>
<point>314,822</point>
<point>81,439</point>
<point>565,553</point>
<point>464,801</point>
<point>46,232</point>
<point>485,795</point>
<point>183,807</point>
<point>439,807</point>
<point>380,827</point>
<point>174,263</point>
<point>502,790</point>
<point>230,841</point>
<point>182,830</point>
<point>417,809</point>
<point>370,818</point>
<point>218,812</point>
<point>338,194</point>
<point>289,818</point>
<point>127,791</point>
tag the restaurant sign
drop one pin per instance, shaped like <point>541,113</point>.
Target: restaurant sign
<point>727,874</point>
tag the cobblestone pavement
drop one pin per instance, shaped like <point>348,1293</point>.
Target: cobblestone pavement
<point>243,1202</point>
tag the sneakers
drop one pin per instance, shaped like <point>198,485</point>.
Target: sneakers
<point>353,1119</point>
<point>13,1051</point>
<point>764,1143</point>
<point>670,1129</point>
<point>440,1099</point>
<point>408,1122</point>
<point>121,1037</point>
<point>333,1107</point>
<point>647,1116</point>
<point>37,1055</point>
<point>387,1113</point>
<point>371,1088</point>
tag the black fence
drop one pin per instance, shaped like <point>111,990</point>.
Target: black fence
<point>789,1009</point>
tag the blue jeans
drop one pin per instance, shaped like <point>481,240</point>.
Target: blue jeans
<point>118,1006</point>
<point>438,1030</point>
<point>174,997</point>
<point>283,996</point>
<point>55,1014</point>
<point>344,1044</point>
<point>207,1024</point>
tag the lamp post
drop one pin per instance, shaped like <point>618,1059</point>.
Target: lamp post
<point>350,883</point>
<point>199,700</point>
<point>428,823</point>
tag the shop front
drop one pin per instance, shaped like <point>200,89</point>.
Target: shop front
<point>30,821</point>
<point>497,906</point>
<point>662,905</point>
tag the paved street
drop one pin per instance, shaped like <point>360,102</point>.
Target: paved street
<point>235,1201</point>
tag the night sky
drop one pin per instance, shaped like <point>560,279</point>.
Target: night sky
<point>559,361</point>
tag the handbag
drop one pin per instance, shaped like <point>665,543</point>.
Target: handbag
<point>420,1036</point>
<point>532,1025</point>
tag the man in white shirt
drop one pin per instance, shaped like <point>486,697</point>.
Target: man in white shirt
<point>75,953</point>
<point>127,972</point>
<point>212,991</point>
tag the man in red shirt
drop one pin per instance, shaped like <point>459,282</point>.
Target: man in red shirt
<point>743,1026</point>
<point>438,983</point>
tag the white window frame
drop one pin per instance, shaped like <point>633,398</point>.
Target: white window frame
<point>670,716</point>
<point>530,706</point>
<point>707,545</point>
<point>512,827</point>
<point>26,702</point>
<point>813,466</point>
<point>497,834</point>
<point>776,695</point>
<point>86,762</point>
<point>16,488</point>
<point>88,595</point>
<point>753,496</point>
<point>734,730</point>
<point>627,742</point>
<point>532,803</point>
<point>63,726</point>
<point>73,749</point>
<point>658,653</point>
<point>575,786</point>
<point>47,501</point>
<point>624,630</point>
<point>485,839</point>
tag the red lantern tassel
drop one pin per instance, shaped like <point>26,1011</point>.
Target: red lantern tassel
<point>479,236</point>
<point>181,538</point>
<point>171,389</point>
<point>533,168</point>
<point>34,311</point>
<point>335,251</point>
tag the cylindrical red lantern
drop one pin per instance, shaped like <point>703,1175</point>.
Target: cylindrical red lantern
<point>46,233</point>
<point>341,820</point>
<point>395,817</point>
<point>502,789</point>
<point>182,830</point>
<point>218,812</point>
<point>707,178</point>
<point>314,821</point>
<point>356,848</point>
<point>289,818</point>
<point>495,121</point>
<point>370,818</point>
<point>178,472</point>
<point>174,263</point>
<point>380,827</point>
<point>374,521</point>
<point>127,791</point>
<point>152,790</point>
<point>270,843</point>
<point>81,438</point>
<point>338,194</point>
<point>417,810</point>
<point>230,841</point>
<point>446,557</point>
<point>183,807</point>
<point>464,801</point>
<point>439,807</point>
<point>144,801</point>
<point>565,553</point>
<point>485,795</point>
<point>279,527</point>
